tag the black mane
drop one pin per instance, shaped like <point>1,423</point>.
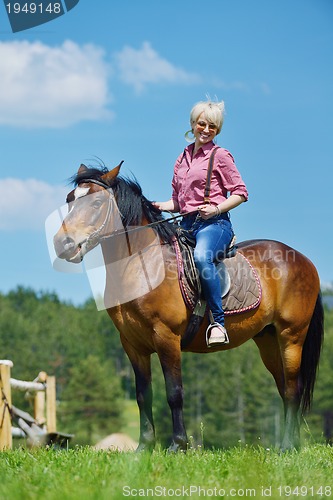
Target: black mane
<point>132,204</point>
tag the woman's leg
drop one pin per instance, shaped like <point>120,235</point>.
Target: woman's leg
<point>211,239</point>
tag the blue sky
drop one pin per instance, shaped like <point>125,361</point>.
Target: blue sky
<point>116,80</point>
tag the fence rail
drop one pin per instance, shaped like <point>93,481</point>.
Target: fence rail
<point>43,392</point>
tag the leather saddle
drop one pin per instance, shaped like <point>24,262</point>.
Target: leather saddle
<point>240,285</point>
<point>187,243</point>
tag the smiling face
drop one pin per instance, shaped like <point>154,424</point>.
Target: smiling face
<point>204,131</point>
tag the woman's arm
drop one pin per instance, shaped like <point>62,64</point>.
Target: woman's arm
<point>167,206</point>
<point>207,211</point>
<point>232,202</point>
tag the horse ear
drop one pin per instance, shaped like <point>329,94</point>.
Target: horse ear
<point>109,176</point>
<point>82,169</point>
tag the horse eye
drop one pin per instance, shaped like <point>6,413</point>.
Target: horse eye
<point>97,204</point>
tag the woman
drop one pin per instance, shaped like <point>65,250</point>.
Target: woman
<point>207,203</point>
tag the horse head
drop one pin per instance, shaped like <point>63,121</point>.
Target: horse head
<point>89,220</point>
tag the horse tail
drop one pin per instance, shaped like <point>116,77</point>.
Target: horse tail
<point>311,354</point>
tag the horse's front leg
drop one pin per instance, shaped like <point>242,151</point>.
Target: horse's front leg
<point>144,396</point>
<point>170,358</point>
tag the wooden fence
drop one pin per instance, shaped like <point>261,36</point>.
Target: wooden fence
<point>43,392</point>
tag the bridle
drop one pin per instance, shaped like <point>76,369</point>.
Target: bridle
<point>94,237</point>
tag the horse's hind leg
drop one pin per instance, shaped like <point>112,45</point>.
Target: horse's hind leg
<point>281,351</point>
<point>283,360</point>
<point>271,355</point>
<point>291,346</point>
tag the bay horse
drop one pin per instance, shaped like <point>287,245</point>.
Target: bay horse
<point>287,326</point>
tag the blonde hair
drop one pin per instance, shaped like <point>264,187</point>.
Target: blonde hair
<point>214,113</point>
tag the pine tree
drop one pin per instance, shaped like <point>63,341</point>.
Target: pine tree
<point>91,401</point>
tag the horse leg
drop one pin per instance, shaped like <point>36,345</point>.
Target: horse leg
<point>170,358</point>
<point>144,396</point>
<point>282,356</point>
<point>270,353</point>
<point>300,342</point>
<point>291,358</point>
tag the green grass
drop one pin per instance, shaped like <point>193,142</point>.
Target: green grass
<point>239,472</point>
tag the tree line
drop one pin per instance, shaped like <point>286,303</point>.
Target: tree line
<point>230,397</point>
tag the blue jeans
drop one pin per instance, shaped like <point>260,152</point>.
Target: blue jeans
<point>213,237</point>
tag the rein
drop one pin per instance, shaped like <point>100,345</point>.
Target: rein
<point>90,241</point>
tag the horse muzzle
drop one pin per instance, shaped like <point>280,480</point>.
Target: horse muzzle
<point>67,249</point>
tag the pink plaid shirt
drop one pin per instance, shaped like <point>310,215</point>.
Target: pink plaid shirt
<point>189,179</point>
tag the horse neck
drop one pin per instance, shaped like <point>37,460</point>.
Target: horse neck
<point>136,263</point>
<point>131,242</point>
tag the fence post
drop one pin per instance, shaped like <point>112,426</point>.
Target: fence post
<point>5,405</point>
<point>51,420</point>
<point>39,401</point>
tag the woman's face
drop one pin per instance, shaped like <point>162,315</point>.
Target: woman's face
<point>204,131</point>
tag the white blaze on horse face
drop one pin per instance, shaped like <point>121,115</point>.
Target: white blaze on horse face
<point>80,192</point>
<point>52,224</point>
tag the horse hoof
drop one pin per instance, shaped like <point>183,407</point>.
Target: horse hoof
<point>145,447</point>
<point>287,447</point>
<point>177,447</point>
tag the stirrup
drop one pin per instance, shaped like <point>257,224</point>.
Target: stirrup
<point>221,340</point>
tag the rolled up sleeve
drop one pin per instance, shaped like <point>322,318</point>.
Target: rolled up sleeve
<point>229,174</point>
<point>174,183</point>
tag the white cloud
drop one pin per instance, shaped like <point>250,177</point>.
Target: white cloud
<point>240,86</point>
<point>139,67</point>
<point>265,88</point>
<point>25,204</point>
<point>233,85</point>
<point>49,86</point>
<point>45,86</point>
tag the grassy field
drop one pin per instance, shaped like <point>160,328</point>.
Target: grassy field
<point>242,472</point>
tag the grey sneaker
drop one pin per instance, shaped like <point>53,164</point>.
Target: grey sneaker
<point>216,335</point>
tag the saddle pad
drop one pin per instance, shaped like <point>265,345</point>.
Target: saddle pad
<point>245,290</point>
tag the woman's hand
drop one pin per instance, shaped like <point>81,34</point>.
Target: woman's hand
<point>207,211</point>
<point>166,206</point>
